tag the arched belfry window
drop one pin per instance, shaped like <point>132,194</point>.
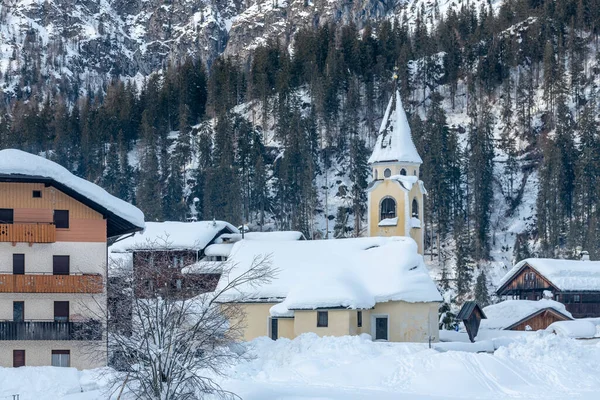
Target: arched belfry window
<point>403,172</point>
<point>415,208</point>
<point>387,173</point>
<point>375,174</point>
<point>387,208</point>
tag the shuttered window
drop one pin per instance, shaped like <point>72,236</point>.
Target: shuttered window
<point>18,358</point>
<point>18,264</point>
<point>7,216</point>
<point>61,219</point>
<point>61,265</point>
<point>61,358</point>
<point>61,311</point>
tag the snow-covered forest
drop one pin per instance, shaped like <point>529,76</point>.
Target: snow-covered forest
<point>276,133</point>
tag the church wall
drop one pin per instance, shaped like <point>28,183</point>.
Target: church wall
<point>411,170</point>
<point>392,188</point>
<point>387,188</point>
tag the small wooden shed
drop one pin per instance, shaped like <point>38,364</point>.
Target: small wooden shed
<point>471,315</point>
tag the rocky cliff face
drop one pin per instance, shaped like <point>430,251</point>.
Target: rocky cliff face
<point>85,42</point>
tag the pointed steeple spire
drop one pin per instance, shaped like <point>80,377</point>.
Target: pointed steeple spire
<point>394,142</point>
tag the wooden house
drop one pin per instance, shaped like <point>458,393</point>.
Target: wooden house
<point>572,282</point>
<point>524,315</point>
<point>155,258</point>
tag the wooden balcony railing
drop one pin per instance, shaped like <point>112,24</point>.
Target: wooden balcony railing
<point>50,283</point>
<point>28,233</point>
<point>50,330</point>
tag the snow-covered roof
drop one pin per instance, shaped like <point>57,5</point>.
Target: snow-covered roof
<point>19,166</point>
<point>171,235</point>
<point>272,236</point>
<point>579,329</point>
<point>564,274</point>
<point>219,249</point>
<point>351,273</point>
<point>394,143</point>
<point>507,313</point>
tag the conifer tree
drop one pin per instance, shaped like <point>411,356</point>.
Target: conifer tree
<point>149,186</point>
<point>482,296</point>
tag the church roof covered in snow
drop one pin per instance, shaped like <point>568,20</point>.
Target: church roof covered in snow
<point>19,166</point>
<point>350,273</point>
<point>510,312</point>
<point>394,143</point>
<point>173,235</point>
<point>566,275</point>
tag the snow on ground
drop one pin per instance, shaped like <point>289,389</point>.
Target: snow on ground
<point>534,366</point>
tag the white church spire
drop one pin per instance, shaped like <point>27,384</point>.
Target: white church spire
<point>394,142</point>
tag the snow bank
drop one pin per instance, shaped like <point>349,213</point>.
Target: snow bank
<point>172,235</point>
<point>353,273</point>
<point>536,367</point>
<point>45,383</point>
<point>574,329</point>
<point>17,162</point>
<point>394,142</point>
<point>564,274</point>
<point>509,312</point>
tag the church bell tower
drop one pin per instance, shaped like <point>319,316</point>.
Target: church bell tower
<point>395,194</point>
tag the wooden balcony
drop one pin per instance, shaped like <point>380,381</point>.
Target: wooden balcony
<point>50,283</point>
<point>28,233</point>
<point>50,330</point>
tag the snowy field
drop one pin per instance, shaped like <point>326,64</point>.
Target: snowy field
<point>532,366</point>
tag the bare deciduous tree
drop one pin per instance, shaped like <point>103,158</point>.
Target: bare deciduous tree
<point>172,347</point>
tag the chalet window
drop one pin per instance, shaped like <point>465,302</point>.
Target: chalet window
<point>415,208</point>
<point>61,311</point>
<point>37,194</point>
<point>61,219</point>
<point>61,265</point>
<point>18,311</point>
<point>359,318</point>
<point>61,358</point>
<point>322,319</point>
<point>18,264</point>
<point>7,215</point>
<point>403,172</point>
<point>387,209</point>
<point>387,173</point>
<point>576,298</point>
<point>18,358</point>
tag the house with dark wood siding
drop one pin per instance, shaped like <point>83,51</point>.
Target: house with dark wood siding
<point>572,282</point>
<point>524,315</point>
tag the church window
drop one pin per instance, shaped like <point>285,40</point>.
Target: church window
<point>415,208</point>
<point>387,173</point>
<point>403,172</point>
<point>415,172</point>
<point>375,172</point>
<point>387,209</point>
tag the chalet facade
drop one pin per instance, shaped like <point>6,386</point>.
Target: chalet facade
<point>53,261</point>
<point>155,258</point>
<point>572,282</point>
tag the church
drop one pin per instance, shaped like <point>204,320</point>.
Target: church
<point>395,195</point>
<point>377,285</point>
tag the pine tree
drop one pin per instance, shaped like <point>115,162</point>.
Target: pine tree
<point>149,185</point>
<point>482,296</point>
